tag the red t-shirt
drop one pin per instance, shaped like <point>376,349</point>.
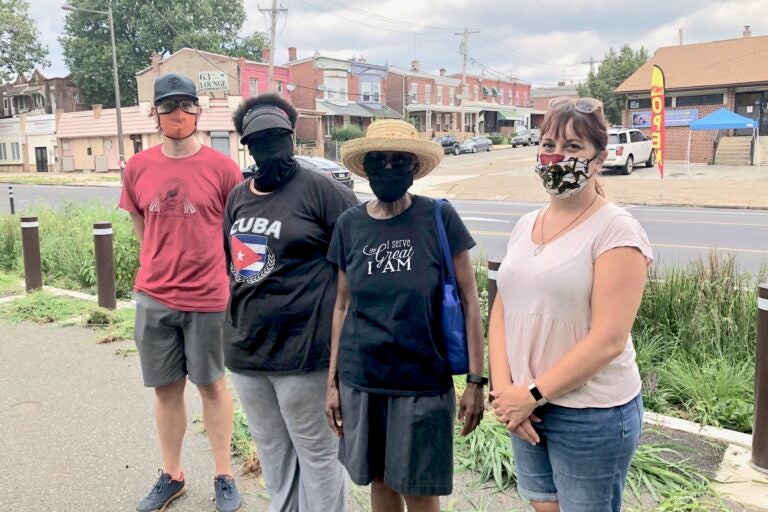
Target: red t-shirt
<point>182,262</point>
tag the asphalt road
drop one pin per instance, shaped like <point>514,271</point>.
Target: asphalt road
<point>678,235</point>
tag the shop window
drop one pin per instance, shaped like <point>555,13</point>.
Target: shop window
<point>700,99</point>
<point>646,102</point>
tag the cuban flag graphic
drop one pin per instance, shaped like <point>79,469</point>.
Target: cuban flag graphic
<point>249,253</point>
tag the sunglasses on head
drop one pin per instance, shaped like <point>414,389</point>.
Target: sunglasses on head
<point>583,105</point>
<point>167,106</point>
<point>376,160</point>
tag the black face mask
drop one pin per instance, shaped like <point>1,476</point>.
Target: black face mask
<point>274,157</point>
<point>389,185</point>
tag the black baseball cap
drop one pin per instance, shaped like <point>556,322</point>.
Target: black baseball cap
<point>174,85</point>
<point>264,117</point>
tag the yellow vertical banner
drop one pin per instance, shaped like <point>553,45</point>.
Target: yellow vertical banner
<point>657,116</point>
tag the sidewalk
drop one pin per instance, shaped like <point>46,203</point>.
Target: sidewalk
<point>79,435</point>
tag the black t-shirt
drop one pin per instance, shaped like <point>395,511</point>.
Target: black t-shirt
<point>391,341</point>
<point>282,287</point>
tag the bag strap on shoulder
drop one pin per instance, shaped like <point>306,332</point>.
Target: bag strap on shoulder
<point>450,276</point>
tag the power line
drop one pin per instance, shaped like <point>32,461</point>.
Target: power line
<point>366,24</point>
<point>388,20</point>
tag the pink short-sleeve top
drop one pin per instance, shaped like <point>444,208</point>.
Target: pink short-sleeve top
<point>547,302</point>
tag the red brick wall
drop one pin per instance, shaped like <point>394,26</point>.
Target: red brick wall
<point>393,92</point>
<point>353,88</point>
<point>307,80</point>
<point>676,142</point>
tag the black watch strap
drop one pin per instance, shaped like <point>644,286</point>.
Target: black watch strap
<point>476,379</point>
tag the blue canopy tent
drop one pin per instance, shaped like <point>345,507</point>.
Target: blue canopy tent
<point>723,119</point>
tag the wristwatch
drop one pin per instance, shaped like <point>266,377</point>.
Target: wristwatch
<point>476,379</point>
<point>540,400</point>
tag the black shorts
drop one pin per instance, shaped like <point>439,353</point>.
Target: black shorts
<point>407,441</point>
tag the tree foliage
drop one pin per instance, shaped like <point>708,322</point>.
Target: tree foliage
<point>614,69</point>
<point>20,49</point>
<point>142,28</point>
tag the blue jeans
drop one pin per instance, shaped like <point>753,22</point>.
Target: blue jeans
<point>583,457</point>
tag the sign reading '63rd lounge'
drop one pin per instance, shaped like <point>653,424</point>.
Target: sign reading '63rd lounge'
<point>212,81</point>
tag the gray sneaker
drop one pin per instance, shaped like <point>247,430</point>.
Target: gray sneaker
<point>162,494</point>
<point>227,497</point>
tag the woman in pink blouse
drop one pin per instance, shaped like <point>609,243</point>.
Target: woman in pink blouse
<point>562,360</point>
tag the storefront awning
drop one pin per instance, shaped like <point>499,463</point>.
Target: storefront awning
<point>350,109</point>
<point>507,115</point>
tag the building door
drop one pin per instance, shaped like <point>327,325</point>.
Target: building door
<point>753,105</point>
<point>41,159</point>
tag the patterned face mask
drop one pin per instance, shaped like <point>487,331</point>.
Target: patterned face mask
<point>563,177</point>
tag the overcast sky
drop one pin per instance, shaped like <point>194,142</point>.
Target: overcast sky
<point>541,41</point>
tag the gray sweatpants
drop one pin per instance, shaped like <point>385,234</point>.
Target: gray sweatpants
<point>296,446</point>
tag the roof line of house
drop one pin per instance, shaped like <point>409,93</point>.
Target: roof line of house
<point>693,88</point>
<point>217,55</point>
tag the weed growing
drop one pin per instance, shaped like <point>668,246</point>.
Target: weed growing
<point>43,307</point>
<point>10,284</point>
<point>243,446</point>
<point>66,246</point>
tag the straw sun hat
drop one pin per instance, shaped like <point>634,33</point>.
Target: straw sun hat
<point>391,135</point>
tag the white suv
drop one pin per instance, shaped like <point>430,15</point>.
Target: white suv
<point>626,147</point>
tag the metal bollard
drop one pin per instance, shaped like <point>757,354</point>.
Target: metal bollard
<point>11,200</point>
<point>760,430</point>
<point>105,265</point>
<point>30,245</point>
<point>493,268</point>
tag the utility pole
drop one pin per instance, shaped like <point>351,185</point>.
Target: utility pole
<point>273,12</point>
<point>464,49</point>
<point>592,63</point>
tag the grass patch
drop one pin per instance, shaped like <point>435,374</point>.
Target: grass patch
<point>61,179</point>
<point>695,340</point>
<point>43,307</point>
<point>115,325</point>
<point>658,470</point>
<point>66,246</point>
<point>10,284</point>
<point>243,446</point>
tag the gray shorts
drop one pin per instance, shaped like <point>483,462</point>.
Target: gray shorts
<point>405,440</point>
<point>175,343</point>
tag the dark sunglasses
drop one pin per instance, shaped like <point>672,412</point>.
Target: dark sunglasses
<point>583,105</point>
<point>168,106</point>
<point>377,161</point>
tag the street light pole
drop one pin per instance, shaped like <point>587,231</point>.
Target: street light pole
<point>120,142</point>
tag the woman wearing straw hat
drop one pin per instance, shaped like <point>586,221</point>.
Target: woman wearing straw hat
<point>390,391</point>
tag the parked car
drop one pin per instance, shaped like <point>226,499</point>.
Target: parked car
<point>525,137</point>
<point>449,143</point>
<point>322,166</point>
<point>475,144</point>
<point>626,147</point>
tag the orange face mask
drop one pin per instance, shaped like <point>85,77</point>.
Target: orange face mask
<point>178,124</point>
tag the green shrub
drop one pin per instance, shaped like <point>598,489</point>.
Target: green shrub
<point>10,243</point>
<point>66,245</point>
<point>498,139</point>
<point>348,132</point>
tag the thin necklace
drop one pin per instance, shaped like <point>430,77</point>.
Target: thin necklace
<point>540,247</point>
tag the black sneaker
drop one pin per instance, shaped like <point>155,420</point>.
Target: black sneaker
<point>165,490</point>
<point>227,497</point>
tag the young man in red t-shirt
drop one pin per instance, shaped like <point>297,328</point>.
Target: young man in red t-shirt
<point>175,194</point>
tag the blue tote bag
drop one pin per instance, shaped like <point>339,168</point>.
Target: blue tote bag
<point>454,327</point>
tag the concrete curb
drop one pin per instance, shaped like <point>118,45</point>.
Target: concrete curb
<point>717,434</point>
